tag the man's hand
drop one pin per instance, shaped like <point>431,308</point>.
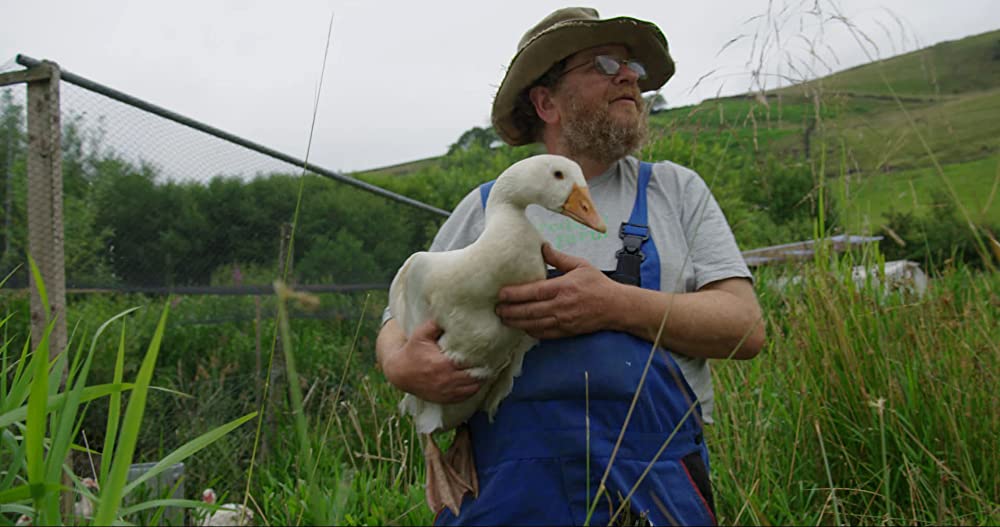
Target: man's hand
<point>573,304</point>
<point>417,365</point>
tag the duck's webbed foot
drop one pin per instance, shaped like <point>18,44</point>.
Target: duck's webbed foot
<point>451,475</point>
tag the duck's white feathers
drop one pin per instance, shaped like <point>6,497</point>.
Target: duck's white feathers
<point>463,303</point>
<point>458,289</point>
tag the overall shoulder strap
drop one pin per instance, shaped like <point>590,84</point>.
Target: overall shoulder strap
<point>634,233</point>
<point>484,191</point>
<point>639,214</point>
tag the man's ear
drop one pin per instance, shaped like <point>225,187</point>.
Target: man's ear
<point>545,107</point>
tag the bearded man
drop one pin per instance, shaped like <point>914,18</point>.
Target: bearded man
<point>673,275</point>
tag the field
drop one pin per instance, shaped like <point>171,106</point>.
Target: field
<point>975,183</point>
<point>867,405</point>
<point>864,408</point>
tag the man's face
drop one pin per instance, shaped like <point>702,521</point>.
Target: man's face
<point>602,115</point>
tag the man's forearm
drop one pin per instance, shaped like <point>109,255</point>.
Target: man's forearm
<point>417,366</point>
<point>709,323</point>
<point>390,340</point>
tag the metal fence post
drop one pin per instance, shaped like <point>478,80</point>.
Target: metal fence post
<point>45,210</point>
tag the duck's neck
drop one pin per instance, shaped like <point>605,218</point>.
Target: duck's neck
<point>507,226</point>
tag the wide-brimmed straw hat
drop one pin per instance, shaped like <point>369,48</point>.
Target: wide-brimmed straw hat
<point>562,34</point>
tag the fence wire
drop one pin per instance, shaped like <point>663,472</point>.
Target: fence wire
<point>151,205</point>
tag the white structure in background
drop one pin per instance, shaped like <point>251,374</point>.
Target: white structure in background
<point>228,513</point>
<point>804,250</point>
<point>170,480</point>
<point>900,275</point>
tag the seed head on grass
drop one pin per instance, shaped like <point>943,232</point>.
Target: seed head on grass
<point>307,301</point>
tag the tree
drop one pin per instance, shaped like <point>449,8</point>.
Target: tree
<point>12,142</point>
<point>482,137</point>
<point>655,102</point>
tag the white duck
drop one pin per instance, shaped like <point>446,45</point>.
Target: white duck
<point>459,289</point>
<point>84,507</point>
<point>228,513</point>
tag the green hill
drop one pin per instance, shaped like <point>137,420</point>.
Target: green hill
<point>878,146</point>
<point>948,68</point>
<point>875,130</point>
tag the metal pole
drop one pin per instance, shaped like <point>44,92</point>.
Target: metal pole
<point>27,61</point>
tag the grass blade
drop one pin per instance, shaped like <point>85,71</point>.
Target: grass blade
<point>17,459</point>
<point>114,410</point>
<point>36,411</point>
<point>55,402</point>
<point>21,383</point>
<point>24,492</point>
<point>295,392</point>
<point>112,493</point>
<point>187,450</point>
<point>166,502</point>
<point>39,285</point>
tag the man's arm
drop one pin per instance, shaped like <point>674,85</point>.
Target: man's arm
<point>417,366</point>
<point>721,320</point>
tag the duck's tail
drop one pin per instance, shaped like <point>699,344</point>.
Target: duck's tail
<point>428,417</point>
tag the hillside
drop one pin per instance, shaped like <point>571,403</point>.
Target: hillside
<point>947,68</point>
<point>880,150</point>
<point>947,101</point>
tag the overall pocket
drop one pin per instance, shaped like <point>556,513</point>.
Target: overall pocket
<point>697,473</point>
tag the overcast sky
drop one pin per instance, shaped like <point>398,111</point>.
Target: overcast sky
<point>404,79</point>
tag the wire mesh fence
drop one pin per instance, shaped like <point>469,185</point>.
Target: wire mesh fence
<point>12,160</point>
<point>153,205</point>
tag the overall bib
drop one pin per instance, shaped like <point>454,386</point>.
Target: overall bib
<point>532,461</point>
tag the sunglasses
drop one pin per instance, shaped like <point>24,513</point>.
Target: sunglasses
<point>610,66</point>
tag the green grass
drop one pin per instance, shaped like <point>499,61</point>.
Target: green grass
<point>956,130</point>
<point>45,394</point>
<point>882,394</point>
<point>885,398</point>
<point>867,200</point>
<point>397,169</point>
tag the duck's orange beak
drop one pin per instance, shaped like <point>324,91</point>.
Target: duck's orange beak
<point>580,207</point>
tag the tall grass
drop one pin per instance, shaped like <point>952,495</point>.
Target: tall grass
<point>877,406</point>
<point>40,416</point>
<point>872,406</point>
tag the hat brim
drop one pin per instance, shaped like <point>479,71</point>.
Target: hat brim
<point>643,39</point>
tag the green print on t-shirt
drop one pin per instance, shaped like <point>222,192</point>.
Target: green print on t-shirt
<point>566,233</point>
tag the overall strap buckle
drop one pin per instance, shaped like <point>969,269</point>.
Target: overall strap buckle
<point>632,236</point>
<point>630,256</point>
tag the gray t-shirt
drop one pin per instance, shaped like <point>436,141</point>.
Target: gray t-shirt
<point>694,242</point>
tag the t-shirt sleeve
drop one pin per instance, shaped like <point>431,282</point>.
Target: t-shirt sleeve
<point>714,253</point>
<point>463,226</point>
<point>460,229</point>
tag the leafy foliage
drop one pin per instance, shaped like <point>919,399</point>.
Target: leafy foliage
<point>937,238</point>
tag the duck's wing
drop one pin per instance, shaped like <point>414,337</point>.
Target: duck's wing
<point>408,292</point>
<point>505,380</point>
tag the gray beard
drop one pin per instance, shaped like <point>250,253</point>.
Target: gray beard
<point>594,134</point>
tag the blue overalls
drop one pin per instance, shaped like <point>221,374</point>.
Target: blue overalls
<point>532,460</point>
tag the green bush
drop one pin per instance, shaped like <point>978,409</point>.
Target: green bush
<point>937,239</point>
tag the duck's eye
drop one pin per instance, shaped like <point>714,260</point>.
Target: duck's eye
<point>558,174</point>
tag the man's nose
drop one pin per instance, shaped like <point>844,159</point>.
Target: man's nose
<point>626,75</point>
